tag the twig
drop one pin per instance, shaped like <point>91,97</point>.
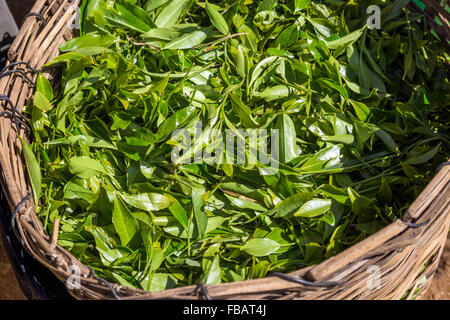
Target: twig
<point>237,195</point>
<point>145,44</point>
<point>55,234</point>
<point>212,43</point>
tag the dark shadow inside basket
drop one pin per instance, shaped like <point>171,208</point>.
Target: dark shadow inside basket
<point>35,280</point>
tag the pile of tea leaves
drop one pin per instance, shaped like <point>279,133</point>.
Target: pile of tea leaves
<point>362,117</point>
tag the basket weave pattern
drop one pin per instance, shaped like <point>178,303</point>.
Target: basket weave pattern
<point>404,255</point>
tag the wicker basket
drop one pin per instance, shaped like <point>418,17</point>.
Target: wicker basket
<point>406,252</point>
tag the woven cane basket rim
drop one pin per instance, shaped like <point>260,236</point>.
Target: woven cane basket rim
<point>403,254</point>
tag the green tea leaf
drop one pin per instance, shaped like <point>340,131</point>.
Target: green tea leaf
<point>124,222</point>
<point>217,19</point>
<point>41,102</point>
<point>275,93</point>
<point>151,5</point>
<point>345,40</point>
<point>125,19</point>
<point>289,205</point>
<point>260,247</point>
<point>301,4</point>
<point>425,157</point>
<point>212,276</point>
<point>318,161</point>
<point>244,112</point>
<point>33,169</point>
<point>187,41</point>
<point>86,41</point>
<point>387,140</point>
<point>169,16</point>
<point>313,208</point>
<point>288,146</point>
<point>179,213</point>
<point>385,192</point>
<point>44,87</point>
<point>361,110</point>
<point>201,218</point>
<point>85,167</point>
<point>148,201</point>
